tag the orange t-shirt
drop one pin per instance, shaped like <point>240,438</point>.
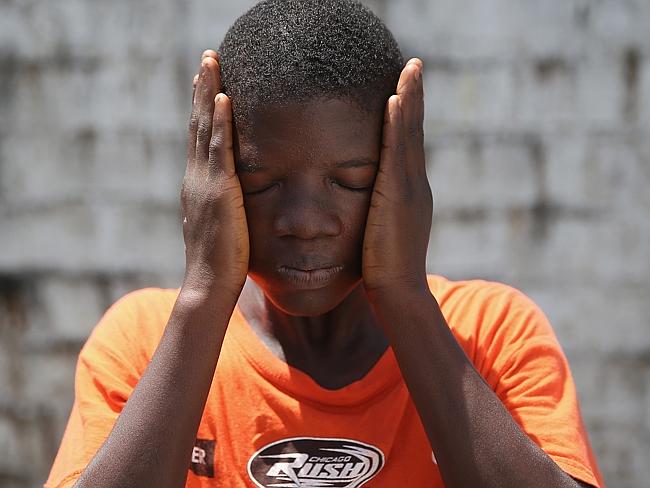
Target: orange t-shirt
<point>268,424</point>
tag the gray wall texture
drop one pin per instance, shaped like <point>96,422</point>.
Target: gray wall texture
<point>538,140</point>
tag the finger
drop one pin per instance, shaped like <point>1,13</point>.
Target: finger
<point>410,91</point>
<point>221,158</point>
<point>392,162</point>
<point>194,117</point>
<point>410,85</point>
<point>194,122</point>
<point>206,90</point>
<point>194,81</point>
<point>207,53</point>
<point>211,53</point>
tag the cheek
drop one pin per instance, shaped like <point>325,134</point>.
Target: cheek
<point>259,221</point>
<point>260,237</point>
<point>354,215</point>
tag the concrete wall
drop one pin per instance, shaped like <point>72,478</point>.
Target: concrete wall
<point>538,134</point>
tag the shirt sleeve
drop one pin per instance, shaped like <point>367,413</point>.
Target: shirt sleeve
<point>530,374</point>
<point>109,367</point>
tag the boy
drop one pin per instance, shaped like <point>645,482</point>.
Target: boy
<point>307,346</point>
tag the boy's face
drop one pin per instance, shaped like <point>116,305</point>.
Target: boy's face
<point>307,172</point>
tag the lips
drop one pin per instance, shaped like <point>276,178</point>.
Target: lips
<point>310,276</point>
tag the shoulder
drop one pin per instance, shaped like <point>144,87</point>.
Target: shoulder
<point>140,308</point>
<point>484,300</point>
<point>491,320</point>
<point>146,298</point>
<point>447,287</point>
<point>133,324</point>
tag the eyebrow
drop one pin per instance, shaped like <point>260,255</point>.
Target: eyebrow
<point>254,166</point>
<point>357,163</point>
<point>249,167</point>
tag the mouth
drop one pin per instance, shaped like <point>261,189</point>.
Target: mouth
<point>310,277</point>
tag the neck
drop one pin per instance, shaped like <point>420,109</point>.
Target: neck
<point>347,338</point>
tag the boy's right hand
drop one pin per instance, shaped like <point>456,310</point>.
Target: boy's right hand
<point>212,205</point>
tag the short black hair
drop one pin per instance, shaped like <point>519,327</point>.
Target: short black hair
<point>287,51</point>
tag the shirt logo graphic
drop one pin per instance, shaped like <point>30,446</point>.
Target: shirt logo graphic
<point>202,460</point>
<point>310,462</point>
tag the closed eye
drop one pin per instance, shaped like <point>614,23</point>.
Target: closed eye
<point>353,188</point>
<point>261,190</point>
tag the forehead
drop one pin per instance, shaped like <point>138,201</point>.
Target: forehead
<point>310,132</point>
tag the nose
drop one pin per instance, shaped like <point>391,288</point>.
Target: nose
<point>305,217</point>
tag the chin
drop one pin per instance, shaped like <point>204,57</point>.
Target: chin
<point>307,303</point>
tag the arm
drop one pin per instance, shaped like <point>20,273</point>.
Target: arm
<point>152,439</point>
<point>475,439</point>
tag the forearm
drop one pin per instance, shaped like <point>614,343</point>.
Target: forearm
<point>152,439</point>
<point>475,439</point>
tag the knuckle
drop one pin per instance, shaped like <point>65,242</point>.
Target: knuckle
<point>186,184</point>
<point>220,140</point>
<point>204,127</point>
<point>216,142</point>
<point>415,132</point>
<point>194,120</point>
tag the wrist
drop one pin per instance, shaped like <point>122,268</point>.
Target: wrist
<point>197,288</point>
<point>204,308</point>
<point>204,276</point>
<point>399,292</point>
<point>393,305</point>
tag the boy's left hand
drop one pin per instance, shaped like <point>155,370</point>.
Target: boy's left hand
<point>401,205</point>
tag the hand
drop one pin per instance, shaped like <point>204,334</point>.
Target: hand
<point>401,205</point>
<point>212,206</point>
